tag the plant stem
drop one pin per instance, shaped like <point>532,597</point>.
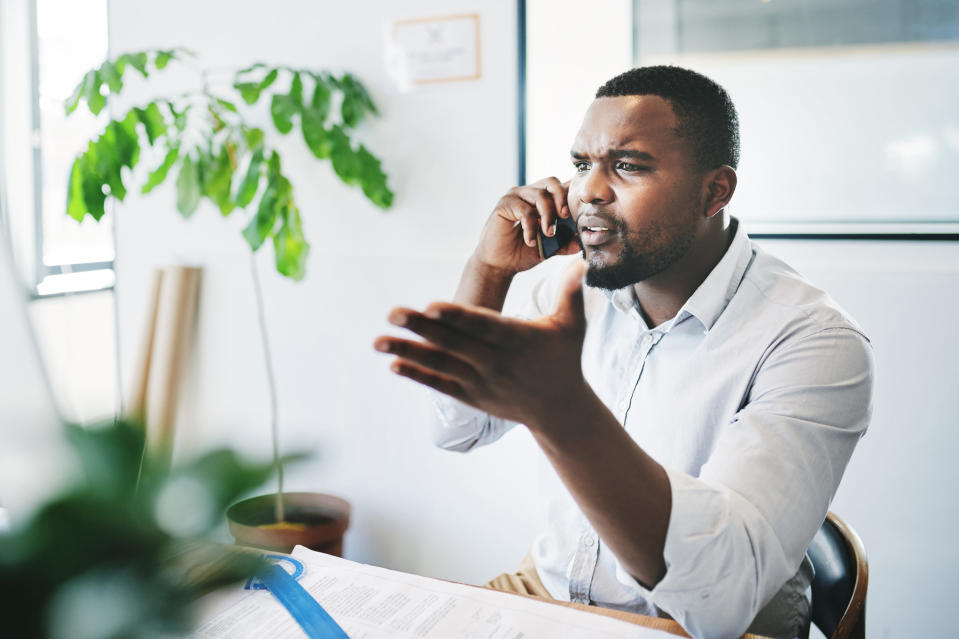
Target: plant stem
<point>280,511</point>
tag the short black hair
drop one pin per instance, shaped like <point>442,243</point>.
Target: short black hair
<point>707,117</point>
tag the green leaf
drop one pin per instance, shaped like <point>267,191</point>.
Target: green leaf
<point>261,226</point>
<point>296,89</point>
<point>118,147</point>
<point>252,67</point>
<point>314,134</point>
<point>321,99</point>
<point>78,92</point>
<point>110,457</point>
<point>268,79</point>
<point>251,180</point>
<point>91,93</point>
<point>249,91</point>
<point>139,62</point>
<point>127,140</point>
<point>159,174</point>
<point>76,207</point>
<point>162,58</point>
<point>153,121</point>
<point>112,76</point>
<point>345,162</point>
<point>283,108</point>
<point>187,187</point>
<point>216,176</point>
<point>93,196</point>
<point>229,106</point>
<point>356,101</point>
<point>290,247</point>
<point>274,166</point>
<point>373,180</point>
<point>254,137</point>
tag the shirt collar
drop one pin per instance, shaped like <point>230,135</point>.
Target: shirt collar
<point>709,300</point>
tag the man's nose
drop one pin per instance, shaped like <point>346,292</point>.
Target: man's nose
<point>595,188</point>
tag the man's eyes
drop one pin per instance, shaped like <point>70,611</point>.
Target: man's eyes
<point>582,166</point>
<point>631,168</point>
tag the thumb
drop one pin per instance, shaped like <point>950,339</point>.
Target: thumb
<point>569,307</point>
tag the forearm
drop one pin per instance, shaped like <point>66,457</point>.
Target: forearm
<point>624,493</point>
<point>483,285</point>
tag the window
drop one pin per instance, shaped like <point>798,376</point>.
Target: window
<point>849,111</point>
<point>47,45</point>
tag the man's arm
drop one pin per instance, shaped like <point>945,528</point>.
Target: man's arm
<point>530,372</point>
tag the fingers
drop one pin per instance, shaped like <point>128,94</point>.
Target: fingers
<point>559,191</point>
<point>437,382</point>
<point>514,208</point>
<point>569,307</point>
<point>474,347</point>
<point>535,207</point>
<point>490,327</point>
<point>428,358</point>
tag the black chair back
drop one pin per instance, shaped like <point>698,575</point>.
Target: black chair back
<point>834,580</point>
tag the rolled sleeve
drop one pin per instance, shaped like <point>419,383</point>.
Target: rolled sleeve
<point>460,427</point>
<point>739,531</point>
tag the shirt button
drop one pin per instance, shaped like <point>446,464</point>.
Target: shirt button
<point>589,541</point>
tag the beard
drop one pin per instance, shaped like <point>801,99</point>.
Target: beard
<point>651,253</point>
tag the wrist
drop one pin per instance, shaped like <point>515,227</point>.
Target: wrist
<point>567,413</point>
<point>483,285</point>
<point>489,272</point>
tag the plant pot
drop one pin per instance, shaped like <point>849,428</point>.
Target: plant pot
<point>317,521</point>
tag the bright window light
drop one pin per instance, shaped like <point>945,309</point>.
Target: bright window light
<point>72,38</point>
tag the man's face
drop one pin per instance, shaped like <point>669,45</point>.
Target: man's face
<point>636,195</point>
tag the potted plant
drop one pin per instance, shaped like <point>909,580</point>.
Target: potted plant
<point>204,137</point>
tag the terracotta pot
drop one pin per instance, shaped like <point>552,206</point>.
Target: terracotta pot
<point>318,522</point>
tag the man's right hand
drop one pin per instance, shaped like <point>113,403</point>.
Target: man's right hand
<point>508,241</point>
<point>507,244</point>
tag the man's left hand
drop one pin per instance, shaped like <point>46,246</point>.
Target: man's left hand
<point>521,370</point>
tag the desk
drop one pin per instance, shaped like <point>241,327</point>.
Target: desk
<point>203,567</point>
<point>658,623</point>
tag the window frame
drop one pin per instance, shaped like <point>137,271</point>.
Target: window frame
<point>39,270</point>
<point>904,230</point>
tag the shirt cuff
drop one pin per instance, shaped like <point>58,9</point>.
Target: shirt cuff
<point>711,585</point>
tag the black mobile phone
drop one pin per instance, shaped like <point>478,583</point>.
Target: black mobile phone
<point>549,246</point>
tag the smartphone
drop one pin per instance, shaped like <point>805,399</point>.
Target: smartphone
<point>549,246</point>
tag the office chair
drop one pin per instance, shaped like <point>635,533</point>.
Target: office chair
<point>839,585</point>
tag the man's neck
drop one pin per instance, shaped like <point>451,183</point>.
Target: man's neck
<point>660,297</point>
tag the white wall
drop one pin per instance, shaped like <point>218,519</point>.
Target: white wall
<point>450,152</point>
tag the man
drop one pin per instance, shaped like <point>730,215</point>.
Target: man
<point>697,397</point>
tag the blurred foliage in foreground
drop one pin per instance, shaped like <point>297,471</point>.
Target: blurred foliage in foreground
<point>99,560</point>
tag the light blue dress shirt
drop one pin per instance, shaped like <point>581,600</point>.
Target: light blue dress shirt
<point>752,397</point>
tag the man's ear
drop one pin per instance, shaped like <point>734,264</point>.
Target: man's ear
<point>718,186</point>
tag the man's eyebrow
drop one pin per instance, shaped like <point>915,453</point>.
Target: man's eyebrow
<point>616,153</point>
<point>630,153</point>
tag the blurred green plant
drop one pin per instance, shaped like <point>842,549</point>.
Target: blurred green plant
<point>205,139</point>
<point>100,560</point>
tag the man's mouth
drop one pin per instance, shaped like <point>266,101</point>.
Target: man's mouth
<point>594,231</point>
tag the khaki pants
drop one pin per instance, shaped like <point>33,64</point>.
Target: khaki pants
<point>524,581</point>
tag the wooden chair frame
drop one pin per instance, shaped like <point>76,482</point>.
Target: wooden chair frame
<point>852,625</point>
